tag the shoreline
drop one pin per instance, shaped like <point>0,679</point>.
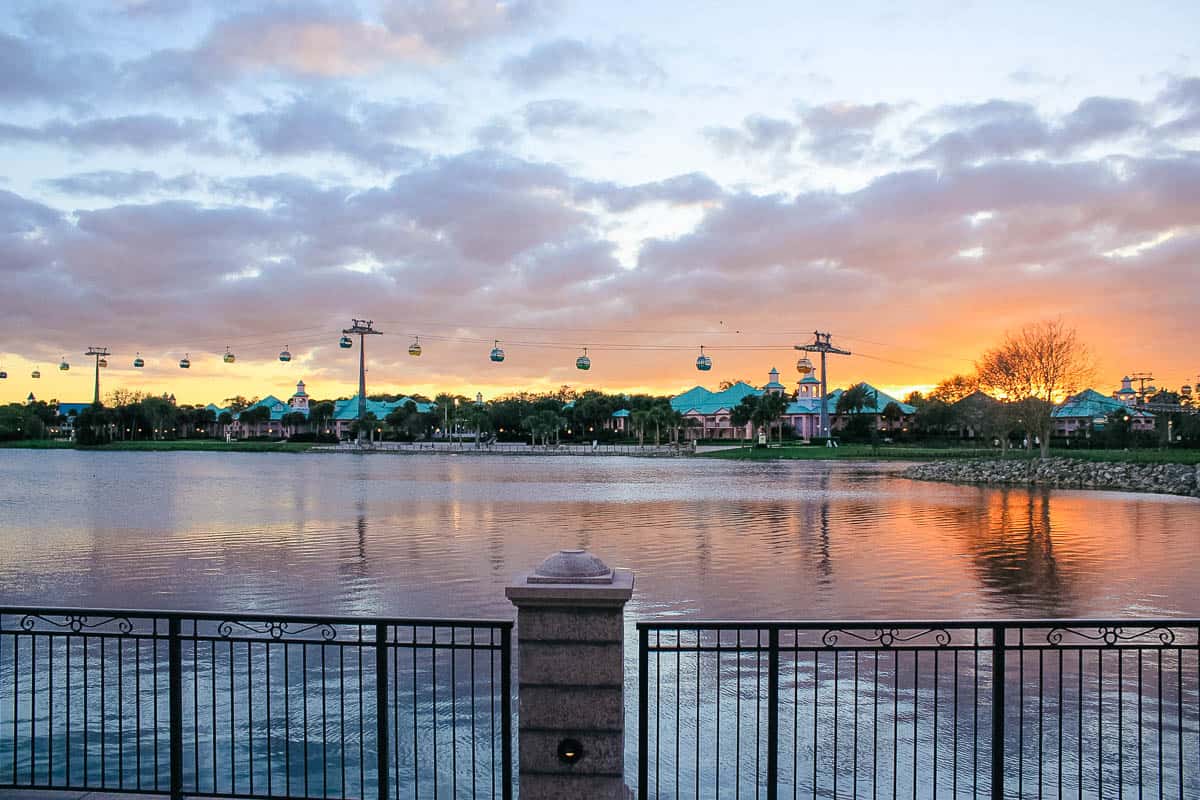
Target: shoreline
<point>1065,473</point>
<point>964,465</point>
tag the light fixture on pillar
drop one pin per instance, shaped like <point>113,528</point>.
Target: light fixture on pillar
<point>570,751</point>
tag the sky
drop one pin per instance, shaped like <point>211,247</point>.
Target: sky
<point>640,179</point>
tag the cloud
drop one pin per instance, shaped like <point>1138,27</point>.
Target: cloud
<point>153,9</point>
<point>694,188</point>
<point>1031,77</point>
<point>28,233</point>
<point>496,132</point>
<point>758,134</point>
<point>556,59</point>
<point>1097,119</point>
<point>449,25</point>
<point>35,73</point>
<point>1181,94</point>
<point>310,41</point>
<point>367,133</point>
<point>1005,129</point>
<point>842,132</point>
<point>549,117</point>
<point>145,133</point>
<point>122,184</point>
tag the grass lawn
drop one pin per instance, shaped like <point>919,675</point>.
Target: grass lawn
<point>211,445</point>
<point>917,453</point>
<point>37,444</point>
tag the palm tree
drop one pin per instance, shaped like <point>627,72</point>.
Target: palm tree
<point>742,414</point>
<point>767,411</point>
<point>543,424</point>
<point>660,415</point>
<point>640,419</point>
<point>675,422</point>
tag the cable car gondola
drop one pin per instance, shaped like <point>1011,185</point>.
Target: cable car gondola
<point>185,362</point>
<point>284,355</point>
<point>345,343</point>
<point>138,361</point>
<point>3,374</point>
<point>229,357</point>
<point>414,349</point>
<point>804,366</point>
<point>583,362</point>
<point>37,373</point>
<point>497,354</point>
<point>1185,390</point>
<point>102,362</point>
<point>703,363</point>
<point>64,366</point>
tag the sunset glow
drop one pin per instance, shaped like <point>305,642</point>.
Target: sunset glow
<point>181,178</point>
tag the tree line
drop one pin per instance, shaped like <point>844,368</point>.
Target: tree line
<point>1010,395</point>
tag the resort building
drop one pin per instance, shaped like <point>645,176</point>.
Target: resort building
<point>345,412</point>
<point>619,421</point>
<point>1126,394</point>
<point>1090,411</point>
<point>711,412</point>
<point>67,412</point>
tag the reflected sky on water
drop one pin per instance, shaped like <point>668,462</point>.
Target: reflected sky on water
<point>441,535</point>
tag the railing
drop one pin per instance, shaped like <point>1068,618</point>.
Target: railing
<point>905,709</point>
<point>254,706</point>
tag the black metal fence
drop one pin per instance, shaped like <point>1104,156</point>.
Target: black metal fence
<point>254,706</point>
<point>905,709</point>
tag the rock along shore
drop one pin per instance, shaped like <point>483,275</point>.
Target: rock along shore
<point>1065,473</point>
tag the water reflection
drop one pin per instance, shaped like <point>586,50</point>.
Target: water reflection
<point>441,536</point>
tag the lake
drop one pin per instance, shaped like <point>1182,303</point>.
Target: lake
<point>441,535</point>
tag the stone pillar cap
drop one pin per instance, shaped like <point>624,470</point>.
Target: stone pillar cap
<point>572,566</point>
<point>574,577</point>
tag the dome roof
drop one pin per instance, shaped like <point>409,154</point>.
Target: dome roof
<point>572,566</point>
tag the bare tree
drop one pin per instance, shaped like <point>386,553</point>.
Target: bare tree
<point>1044,361</point>
<point>955,388</point>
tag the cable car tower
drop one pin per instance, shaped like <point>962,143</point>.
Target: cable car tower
<point>101,354</point>
<point>822,345</point>
<point>362,328</point>
<point>1143,391</point>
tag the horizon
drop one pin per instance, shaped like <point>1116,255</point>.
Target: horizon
<point>181,178</point>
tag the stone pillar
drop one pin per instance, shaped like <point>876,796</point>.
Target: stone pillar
<point>570,668</point>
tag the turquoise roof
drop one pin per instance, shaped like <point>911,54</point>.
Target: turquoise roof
<point>702,401</point>
<point>347,410</point>
<point>276,406</point>
<point>621,412</point>
<point>881,402</point>
<point>1091,404</point>
<point>810,378</point>
<point>72,409</point>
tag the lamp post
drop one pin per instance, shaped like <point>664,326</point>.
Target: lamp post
<point>478,413</point>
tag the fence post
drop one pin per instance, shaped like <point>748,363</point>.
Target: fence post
<point>643,713</point>
<point>772,714</point>
<point>381,713</point>
<point>998,670</point>
<point>571,678</point>
<point>506,710</point>
<point>175,701</point>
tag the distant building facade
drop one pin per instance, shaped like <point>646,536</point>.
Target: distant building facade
<point>711,412</point>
